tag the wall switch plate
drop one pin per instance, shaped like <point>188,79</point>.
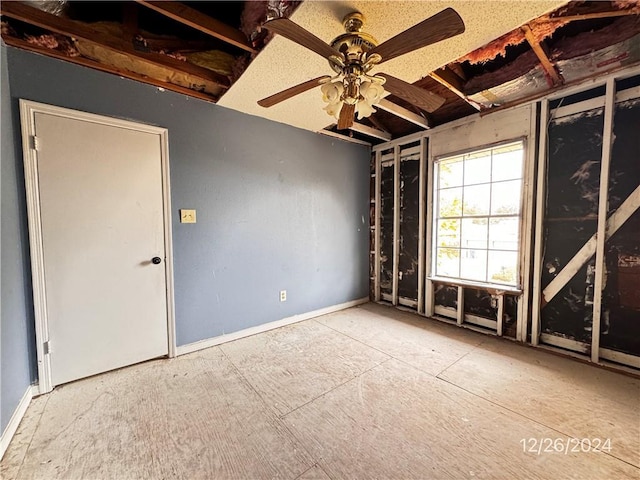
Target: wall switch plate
<point>283,295</point>
<point>187,216</point>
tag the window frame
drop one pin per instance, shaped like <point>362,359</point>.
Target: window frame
<point>435,184</point>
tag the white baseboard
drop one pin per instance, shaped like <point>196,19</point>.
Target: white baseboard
<point>16,418</point>
<point>212,342</point>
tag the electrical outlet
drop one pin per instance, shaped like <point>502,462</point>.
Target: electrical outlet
<point>283,295</point>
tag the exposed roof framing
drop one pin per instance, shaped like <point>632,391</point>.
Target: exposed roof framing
<point>195,19</point>
<point>71,28</point>
<point>204,48</point>
<point>538,48</point>
<point>450,79</point>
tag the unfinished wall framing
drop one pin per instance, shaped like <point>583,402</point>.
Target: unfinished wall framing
<point>588,252</point>
<point>579,255</point>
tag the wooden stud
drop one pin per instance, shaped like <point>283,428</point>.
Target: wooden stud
<point>429,309</point>
<point>500,315</point>
<point>603,204</point>
<point>539,225</point>
<point>460,308</point>
<point>204,23</point>
<point>526,229</point>
<point>42,19</point>
<point>396,222</point>
<point>422,210</point>
<point>377,224</point>
<point>549,68</point>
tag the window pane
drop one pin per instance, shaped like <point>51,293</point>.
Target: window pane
<point>476,200</point>
<point>503,267</point>
<point>507,166</point>
<point>505,198</point>
<point>503,233</point>
<point>449,233</point>
<point>450,173</point>
<point>478,170</point>
<point>477,224</point>
<point>448,262</point>
<point>474,233</point>
<point>473,265</point>
<point>450,203</point>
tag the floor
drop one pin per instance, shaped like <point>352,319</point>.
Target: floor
<point>369,392</point>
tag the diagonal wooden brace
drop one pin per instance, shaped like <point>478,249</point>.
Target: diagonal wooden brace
<point>614,222</point>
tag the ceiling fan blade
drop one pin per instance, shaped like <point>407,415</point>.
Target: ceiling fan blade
<point>295,33</point>
<point>346,116</point>
<point>434,29</point>
<point>291,92</point>
<point>417,96</point>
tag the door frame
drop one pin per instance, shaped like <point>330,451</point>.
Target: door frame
<point>28,109</point>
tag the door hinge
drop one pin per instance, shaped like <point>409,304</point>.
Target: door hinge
<point>46,348</point>
<point>35,143</point>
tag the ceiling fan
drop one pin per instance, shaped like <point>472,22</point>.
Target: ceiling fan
<point>353,54</point>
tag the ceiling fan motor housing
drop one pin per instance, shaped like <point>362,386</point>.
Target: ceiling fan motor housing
<point>354,43</point>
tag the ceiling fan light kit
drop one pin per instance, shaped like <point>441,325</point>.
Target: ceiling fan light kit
<point>353,91</point>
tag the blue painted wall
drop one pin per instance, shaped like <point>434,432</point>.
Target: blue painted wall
<point>277,207</point>
<point>17,348</point>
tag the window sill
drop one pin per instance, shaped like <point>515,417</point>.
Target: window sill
<point>491,287</point>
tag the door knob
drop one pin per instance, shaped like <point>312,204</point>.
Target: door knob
<point>156,260</point>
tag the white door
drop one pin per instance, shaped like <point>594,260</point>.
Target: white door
<point>102,223</point>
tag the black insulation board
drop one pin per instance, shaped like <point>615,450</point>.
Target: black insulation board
<point>409,226</point>
<point>480,303</point>
<point>510,316</point>
<point>386,229</point>
<point>620,314</point>
<point>573,176</point>
<point>446,295</point>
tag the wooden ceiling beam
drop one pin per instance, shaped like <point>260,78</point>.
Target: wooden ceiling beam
<point>549,68</point>
<point>447,77</point>
<point>70,28</point>
<point>403,113</point>
<point>371,132</point>
<point>590,16</point>
<point>16,42</point>
<point>198,20</point>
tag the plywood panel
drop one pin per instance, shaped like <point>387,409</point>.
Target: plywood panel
<point>570,397</point>
<point>191,418</point>
<point>397,422</point>
<point>293,365</point>
<point>428,346</point>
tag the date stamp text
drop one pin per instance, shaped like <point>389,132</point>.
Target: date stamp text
<point>565,445</point>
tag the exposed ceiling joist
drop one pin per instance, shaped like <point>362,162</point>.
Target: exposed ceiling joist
<point>447,77</point>
<point>403,113</point>
<point>372,132</point>
<point>549,68</point>
<point>346,138</point>
<point>206,24</point>
<point>15,42</point>
<point>63,26</point>
<point>594,15</point>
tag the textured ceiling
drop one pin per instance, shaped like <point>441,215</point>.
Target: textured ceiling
<point>282,63</point>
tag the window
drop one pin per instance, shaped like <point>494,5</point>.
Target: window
<point>477,197</point>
